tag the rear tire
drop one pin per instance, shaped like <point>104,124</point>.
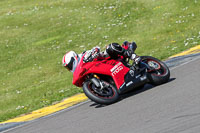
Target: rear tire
<point>92,93</point>
<point>161,74</point>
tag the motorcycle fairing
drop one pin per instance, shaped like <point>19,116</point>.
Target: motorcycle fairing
<point>110,67</point>
<point>133,79</point>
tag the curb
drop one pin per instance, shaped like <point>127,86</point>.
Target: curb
<point>192,50</point>
<point>48,110</point>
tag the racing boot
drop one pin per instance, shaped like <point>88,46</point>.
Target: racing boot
<point>136,60</point>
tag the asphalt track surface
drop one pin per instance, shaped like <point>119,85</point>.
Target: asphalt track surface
<point>173,107</point>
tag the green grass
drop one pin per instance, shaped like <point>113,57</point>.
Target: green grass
<point>34,35</point>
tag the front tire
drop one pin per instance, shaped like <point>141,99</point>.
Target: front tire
<point>106,96</point>
<point>161,72</point>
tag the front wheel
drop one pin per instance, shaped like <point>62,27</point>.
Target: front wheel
<point>160,72</point>
<point>106,95</point>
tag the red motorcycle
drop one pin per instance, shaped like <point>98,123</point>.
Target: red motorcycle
<point>103,80</point>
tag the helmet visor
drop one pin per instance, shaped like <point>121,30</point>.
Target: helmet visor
<point>69,66</point>
<point>75,63</point>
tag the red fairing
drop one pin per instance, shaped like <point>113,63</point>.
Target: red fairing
<point>107,66</point>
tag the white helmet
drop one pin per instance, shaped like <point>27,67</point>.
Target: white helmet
<point>70,60</point>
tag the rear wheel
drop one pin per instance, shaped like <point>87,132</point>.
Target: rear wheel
<point>105,95</point>
<point>160,72</point>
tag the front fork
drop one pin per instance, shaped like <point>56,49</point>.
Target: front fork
<point>97,82</point>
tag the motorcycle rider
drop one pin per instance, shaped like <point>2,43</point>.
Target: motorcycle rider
<point>114,50</point>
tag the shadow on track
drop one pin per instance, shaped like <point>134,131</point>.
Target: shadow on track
<point>130,93</point>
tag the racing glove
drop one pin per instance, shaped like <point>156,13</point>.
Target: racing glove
<point>91,54</point>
